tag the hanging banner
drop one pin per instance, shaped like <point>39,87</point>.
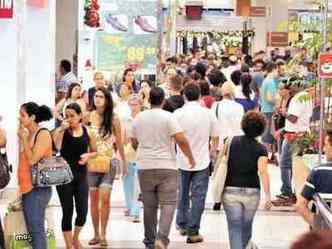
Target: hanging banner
<point>128,36</point>
<point>257,11</point>
<point>6,9</point>
<point>325,65</point>
<point>277,39</point>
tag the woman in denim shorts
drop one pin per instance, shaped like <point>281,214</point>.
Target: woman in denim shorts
<point>100,184</point>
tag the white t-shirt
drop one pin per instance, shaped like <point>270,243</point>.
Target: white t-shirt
<point>301,107</point>
<point>154,130</point>
<point>199,124</point>
<point>229,115</point>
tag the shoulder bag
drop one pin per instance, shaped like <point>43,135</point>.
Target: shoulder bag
<point>220,172</point>
<point>5,170</point>
<point>51,171</point>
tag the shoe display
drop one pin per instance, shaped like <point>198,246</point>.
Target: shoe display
<point>144,24</point>
<point>115,23</point>
<point>195,239</point>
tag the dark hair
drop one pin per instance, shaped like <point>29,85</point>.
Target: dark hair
<point>270,66</point>
<point>320,239</point>
<point>195,76</point>
<point>66,65</point>
<point>248,60</point>
<point>157,96</point>
<point>204,87</point>
<point>245,83</point>
<point>176,82</point>
<point>192,92</point>
<point>75,107</point>
<point>126,71</point>
<point>245,68</point>
<point>201,69</point>
<point>216,77</point>
<point>172,59</point>
<point>253,124</point>
<point>42,113</point>
<point>70,89</point>
<point>236,77</point>
<point>106,125</point>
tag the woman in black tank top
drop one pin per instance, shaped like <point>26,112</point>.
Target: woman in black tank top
<point>75,144</point>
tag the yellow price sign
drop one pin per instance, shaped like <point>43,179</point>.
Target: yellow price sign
<point>136,54</point>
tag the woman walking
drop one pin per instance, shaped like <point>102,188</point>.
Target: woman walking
<point>247,164</point>
<point>35,145</point>
<point>73,96</point>
<point>77,146</point>
<point>105,125</point>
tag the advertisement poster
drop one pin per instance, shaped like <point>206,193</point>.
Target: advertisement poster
<point>128,36</point>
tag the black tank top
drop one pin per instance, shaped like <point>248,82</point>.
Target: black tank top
<point>71,150</point>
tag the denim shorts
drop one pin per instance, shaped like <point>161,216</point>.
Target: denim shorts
<point>103,180</point>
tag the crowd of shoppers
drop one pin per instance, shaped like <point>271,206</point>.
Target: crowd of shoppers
<point>165,141</point>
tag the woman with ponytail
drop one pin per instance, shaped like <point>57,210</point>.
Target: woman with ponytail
<point>245,96</point>
<point>35,145</point>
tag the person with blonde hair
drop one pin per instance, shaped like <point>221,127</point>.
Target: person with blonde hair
<point>229,115</point>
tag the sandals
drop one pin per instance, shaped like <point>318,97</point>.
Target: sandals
<point>103,243</point>
<point>94,241</point>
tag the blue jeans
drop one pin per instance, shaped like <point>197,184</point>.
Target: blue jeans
<point>240,206</point>
<point>130,187</point>
<point>286,168</point>
<point>34,206</point>
<point>194,183</point>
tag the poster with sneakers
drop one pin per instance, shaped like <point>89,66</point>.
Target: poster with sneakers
<point>115,24</point>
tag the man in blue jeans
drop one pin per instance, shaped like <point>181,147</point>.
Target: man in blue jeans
<point>194,180</point>
<point>297,123</point>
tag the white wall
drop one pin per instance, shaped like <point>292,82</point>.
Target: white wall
<point>27,47</point>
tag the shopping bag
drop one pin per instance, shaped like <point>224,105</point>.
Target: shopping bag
<point>220,172</point>
<point>15,232</point>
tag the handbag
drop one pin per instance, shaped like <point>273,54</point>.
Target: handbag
<point>102,162</point>
<point>5,170</point>
<point>220,172</point>
<point>51,171</point>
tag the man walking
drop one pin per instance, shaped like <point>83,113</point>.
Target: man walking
<point>153,135</point>
<point>195,181</point>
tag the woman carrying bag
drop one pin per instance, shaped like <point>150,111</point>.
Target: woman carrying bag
<point>35,145</point>
<point>246,167</point>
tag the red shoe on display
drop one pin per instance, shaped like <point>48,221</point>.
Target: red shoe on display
<point>144,24</point>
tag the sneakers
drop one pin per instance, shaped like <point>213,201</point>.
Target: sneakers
<point>144,24</point>
<point>195,239</point>
<point>115,23</point>
<point>159,245</point>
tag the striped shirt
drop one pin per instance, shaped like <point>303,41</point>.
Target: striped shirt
<point>319,181</point>
<point>65,81</point>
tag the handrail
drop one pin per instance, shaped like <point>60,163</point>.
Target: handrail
<point>324,210</point>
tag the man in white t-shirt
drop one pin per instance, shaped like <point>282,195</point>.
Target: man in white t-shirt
<point>298,117</point>
<point>199,125</point>
<point>154,134</point>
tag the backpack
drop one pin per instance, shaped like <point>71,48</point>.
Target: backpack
<point>5,170</point>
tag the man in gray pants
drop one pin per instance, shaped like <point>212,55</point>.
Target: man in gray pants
<point>153,134</point>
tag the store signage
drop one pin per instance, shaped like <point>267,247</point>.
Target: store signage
<point>325,65</point>
<point>277,39</point>
<point>6,8</point>
<point>257,11</point>
<point>128,38</point>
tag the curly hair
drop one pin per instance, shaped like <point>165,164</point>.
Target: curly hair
<point>253,124</point>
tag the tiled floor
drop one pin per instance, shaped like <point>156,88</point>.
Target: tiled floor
<point>272,230</point>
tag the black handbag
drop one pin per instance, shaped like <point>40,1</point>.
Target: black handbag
<point>5,170</point>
